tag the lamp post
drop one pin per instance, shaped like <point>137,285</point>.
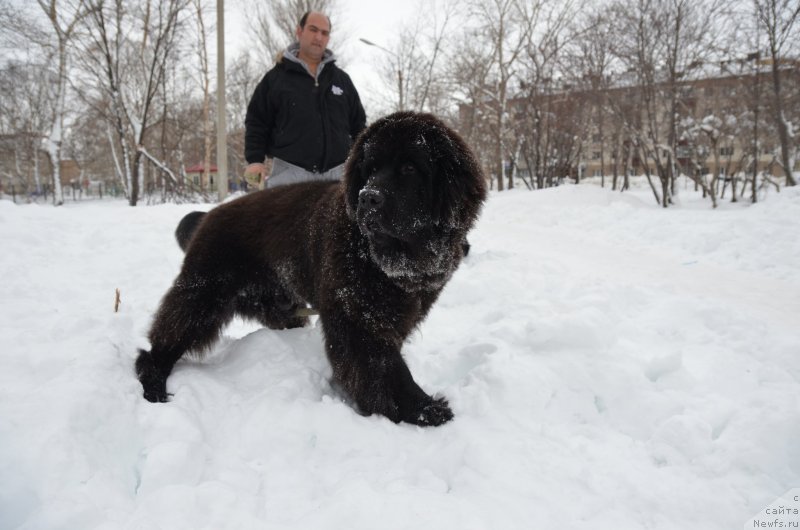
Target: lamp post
<point>222,146</point>
<point>399,70</point>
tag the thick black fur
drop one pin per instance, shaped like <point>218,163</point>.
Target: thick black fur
<point>371,253</point>
<point>187,227</point>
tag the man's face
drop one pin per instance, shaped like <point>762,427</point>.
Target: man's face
<point>313,38</point>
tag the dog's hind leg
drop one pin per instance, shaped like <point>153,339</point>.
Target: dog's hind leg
<point>189,318</point>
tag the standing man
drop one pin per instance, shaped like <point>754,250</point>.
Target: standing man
<point>305,112</point>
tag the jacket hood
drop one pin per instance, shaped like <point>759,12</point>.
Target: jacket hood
<point>291,53</point>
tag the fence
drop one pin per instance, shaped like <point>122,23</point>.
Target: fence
<point>72,192</point>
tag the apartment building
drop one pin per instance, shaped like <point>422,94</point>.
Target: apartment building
<point>717,132</point>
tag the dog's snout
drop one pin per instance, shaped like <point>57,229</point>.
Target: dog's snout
<point>371,198</point>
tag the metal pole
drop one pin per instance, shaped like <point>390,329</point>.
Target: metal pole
<point>400,87</point>
<point>399,69</point>
<point>222,147</point>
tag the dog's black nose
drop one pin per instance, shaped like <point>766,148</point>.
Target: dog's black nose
<point>370,198</point>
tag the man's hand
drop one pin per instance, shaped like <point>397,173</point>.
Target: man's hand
<point>255,174</point>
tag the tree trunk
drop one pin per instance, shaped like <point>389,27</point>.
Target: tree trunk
<point>780,121</point>
<point>498,154</point>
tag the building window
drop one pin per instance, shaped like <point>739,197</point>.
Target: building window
<point>726,151</point>
<point>595,155</point>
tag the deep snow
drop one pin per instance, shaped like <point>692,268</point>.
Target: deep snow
<point>611,365</point>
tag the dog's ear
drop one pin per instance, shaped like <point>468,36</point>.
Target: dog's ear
<point>460,185</point>
<point>354,174</point>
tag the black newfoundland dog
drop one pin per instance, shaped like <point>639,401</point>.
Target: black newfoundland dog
<point>370,253</point>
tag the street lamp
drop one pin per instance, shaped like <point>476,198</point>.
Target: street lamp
<point>222,146</point>
<point>399,71</point>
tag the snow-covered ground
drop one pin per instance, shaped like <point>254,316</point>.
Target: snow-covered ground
<point>611,365</point>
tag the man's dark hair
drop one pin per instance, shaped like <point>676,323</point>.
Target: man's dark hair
<point>304,18</point>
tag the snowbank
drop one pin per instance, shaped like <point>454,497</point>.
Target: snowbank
<point>610,364</point>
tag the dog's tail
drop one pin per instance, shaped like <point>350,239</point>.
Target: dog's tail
<point>187,227</point>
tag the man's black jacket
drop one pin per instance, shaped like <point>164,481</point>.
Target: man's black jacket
<point>307,122</point>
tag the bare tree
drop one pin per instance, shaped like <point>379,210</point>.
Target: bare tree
<point>64,17</point>
<point>102,55</point>
<point>242,76</point>
<point>593,59</point>
<point>692,33</point>
<point>128,49</point>
<point>25,94</point>
<point>468,71</point>
<point>778,19</point>
<point>661,42</point>
<point>413,64</point>
<point>204,71</point>
<point>704,138</point>
<point>504,28</point>
<point>639,48</point>
<point>545,126</point>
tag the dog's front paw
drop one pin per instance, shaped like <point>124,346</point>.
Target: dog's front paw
<point>433,414</point>
<point>156,395</point>
<point>153,380</point>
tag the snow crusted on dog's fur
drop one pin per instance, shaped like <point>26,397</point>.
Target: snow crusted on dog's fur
<point>611,364</point>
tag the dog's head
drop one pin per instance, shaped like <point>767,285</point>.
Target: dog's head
<point>415,189</point>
